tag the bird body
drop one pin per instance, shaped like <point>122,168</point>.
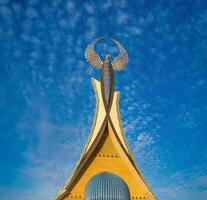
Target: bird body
<point>107,79</point>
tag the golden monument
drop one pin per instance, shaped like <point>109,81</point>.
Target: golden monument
<point>107,169</point>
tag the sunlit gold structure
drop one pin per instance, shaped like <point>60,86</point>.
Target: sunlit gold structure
<point>106,150</point>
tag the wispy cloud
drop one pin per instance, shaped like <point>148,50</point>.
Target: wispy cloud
<point>189,184</point>
<point>48,102</point>
<point>51,153</point>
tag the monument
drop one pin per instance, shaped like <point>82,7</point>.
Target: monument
<point>106,169</point>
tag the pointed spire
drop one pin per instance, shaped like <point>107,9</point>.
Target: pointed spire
<point>106,149</point>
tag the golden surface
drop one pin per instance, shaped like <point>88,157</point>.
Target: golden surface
<point>111,154</point>
<point>114,114</point>
<point>111,158</point>
<point>101,112</point>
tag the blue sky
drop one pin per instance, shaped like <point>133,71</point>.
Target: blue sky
<point>47,101</point>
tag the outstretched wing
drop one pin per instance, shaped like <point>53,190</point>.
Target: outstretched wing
<point>91,56</point>
<point>121,60</point>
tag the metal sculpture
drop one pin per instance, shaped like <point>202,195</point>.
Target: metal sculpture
<point>107,67</point>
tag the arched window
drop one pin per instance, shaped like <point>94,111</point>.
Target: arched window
<point>106,186</point>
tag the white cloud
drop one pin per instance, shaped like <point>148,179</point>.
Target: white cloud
<point>5,12</point>
<point>48,154</point>
<point>72,22</point>
<point>27,26</point>
<point>136,122</point>
<point>145,151</point>
<point>70,6</point>
<point>89,8</point>
<point>40,191</point>
<point>201,181</point>
<point>183,185</point>
<point>122,17</point>
<point>34,55</point>
<point>35,40</point>
<point>143,141</point>
<point>33,2</point>
<point>63,23</point>
<point>135,30</point>
<point>91,28</point>
<point>120,3</point>
<point>106,4</point>
<point>17,8</point>
<point>4,1</point>
<point>31,12</point>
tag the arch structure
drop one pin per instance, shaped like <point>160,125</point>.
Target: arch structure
<point>106,186</point>
<point>106,151</point>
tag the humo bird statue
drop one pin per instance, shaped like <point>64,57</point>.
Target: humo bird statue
<point>107,67</point>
